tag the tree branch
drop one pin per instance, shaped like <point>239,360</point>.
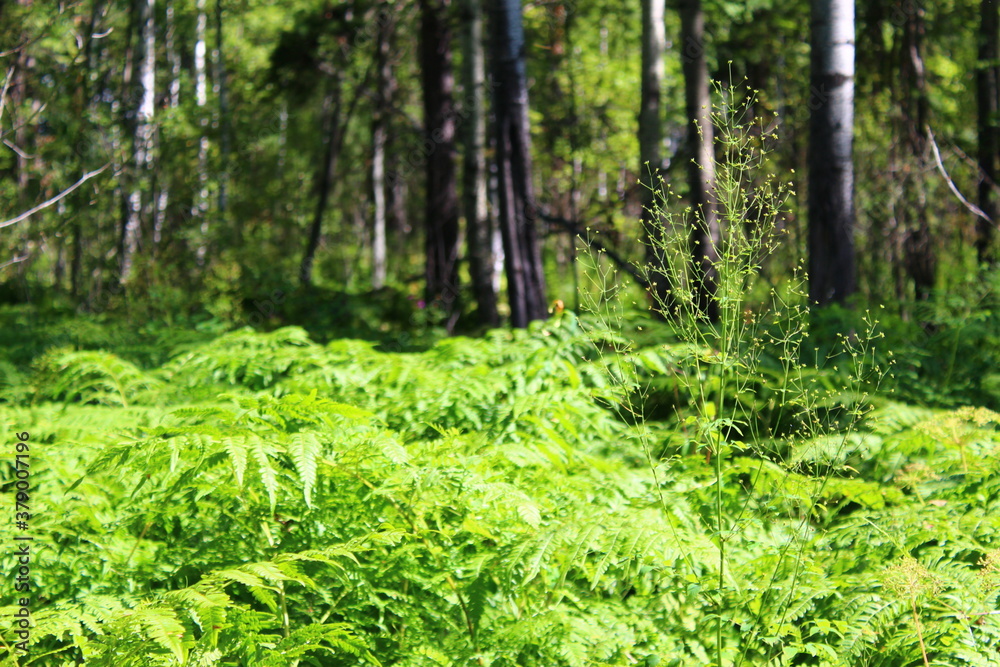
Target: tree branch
<point>951,184</point>
<point>574,228</point>
<point>13,261</point>
<point>30,212</point>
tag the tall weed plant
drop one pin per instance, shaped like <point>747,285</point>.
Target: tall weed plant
<point>753,358</point>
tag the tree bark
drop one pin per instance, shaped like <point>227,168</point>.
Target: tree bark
<point>173,101</point>
<point>701,167</point>
<point>522,255</point>
<point>200,209</point>
<point>384,99</point>
<point>441,208</point>
<point>143,140</point>
<point>987,91</point>
<point>921,263</point>
<point>225,124</point>
<point>651,164</point>
<point>87,99</point>
<point>332,109</point>
<point>831,136</point>
<point>474,202</point>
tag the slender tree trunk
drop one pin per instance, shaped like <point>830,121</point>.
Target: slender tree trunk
<point>441,219</point>
<point>522,253</point>
<point>385,93</point>
<point>651,165</point>
<point>225,123</point>
<point>173,57</point>
<point>921,263</point>
<point>324,183</point>
<point>397,223</point>
<point>17,95</point>
<point>493,197</point>
<point>987,91</point>
<point>831,136</point>
<point>122,109</point>
<point>474,202</point>
<point>378,200</point>
<point>87,97</point>
<point>701,167</point>
<point>200,209</point>
<point>173,101</point>
<point>143,139</point>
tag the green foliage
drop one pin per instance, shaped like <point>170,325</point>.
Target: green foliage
<point>89,376</point>
<point>791,456</point>
<point>261,499</point>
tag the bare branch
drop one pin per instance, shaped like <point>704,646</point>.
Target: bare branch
<point>13,261</point>
<point>951,184</point>
<point>975,165</point>
<point>17,150</point>
<point>27,214</point>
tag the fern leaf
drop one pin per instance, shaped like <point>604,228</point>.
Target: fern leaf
<point>306,451</point>
<point>261,451</point>
<point>164,628</point>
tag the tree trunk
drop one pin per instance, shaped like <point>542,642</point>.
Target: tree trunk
<point>987,91</point>
<point>921,263</point>
<point>701,166</point>
<point>87,98</point>
<point>200,209</point>
<point>522,256</point>
<point>143,141</point>
<point>173,101</point>
<point>385,93</point>
<point>398,227</point>
<point>378,200</point>
<point>651,164</point>
<point>225,124</point>
<point>831,135</point>
<point>474,202</point>
<point>331,108</point>
<point>441,212</point>
<point>173,57</point>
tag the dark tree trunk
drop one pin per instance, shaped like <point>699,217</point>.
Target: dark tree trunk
<point>987,91</point>
<point>324,181</point>
<point>441,212</point>
<point>701,166</point>
<point>522,255</point>
<point>831,137</point>
<point>478,232</point>
<point>87,98</point>
<point>921,263</point>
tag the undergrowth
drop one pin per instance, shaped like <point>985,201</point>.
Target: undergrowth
<point>261,499</point>
<point>596,490</point>
<point>780,437</point>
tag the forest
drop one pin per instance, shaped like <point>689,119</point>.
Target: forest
<point>543,333</point>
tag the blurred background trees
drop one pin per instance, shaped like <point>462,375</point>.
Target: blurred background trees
<point>435,152</point>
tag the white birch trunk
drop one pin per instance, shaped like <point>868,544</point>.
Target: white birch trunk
<point>831,138</point>
<point>174,100</point>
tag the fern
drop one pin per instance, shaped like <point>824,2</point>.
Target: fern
<point>90,377</point>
